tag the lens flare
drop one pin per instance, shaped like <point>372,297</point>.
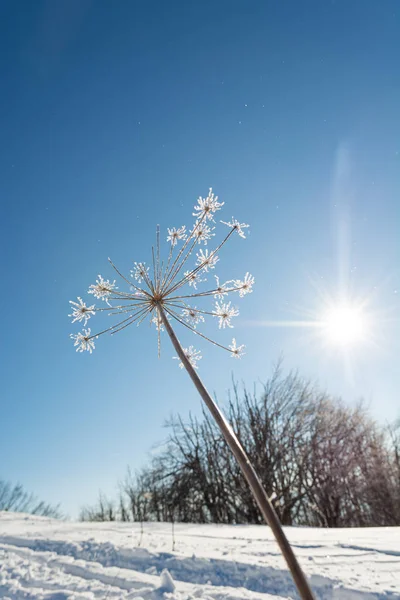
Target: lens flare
<point>345,325</point>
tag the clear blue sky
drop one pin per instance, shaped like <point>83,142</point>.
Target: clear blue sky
<point>115,117</point>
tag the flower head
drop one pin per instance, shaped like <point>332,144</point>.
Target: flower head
<point>193,278</point>
<point>174,235</point>
<point>202,232</point>
<point>192,316</point>
<point>225,312</point>
<point>206,260</point>
<point>207,207</point>
<point>102,289</point>
<point>81,312</point>
<point>237,351</point>
<point>83,341</point>
<point>221,289</point>
<point>192,355</point>
<point>169,291</point>
<point>244,287</point>
<point>139,271</point>
<point>234,224</point>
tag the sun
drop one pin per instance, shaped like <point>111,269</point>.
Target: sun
<point>345,325</point>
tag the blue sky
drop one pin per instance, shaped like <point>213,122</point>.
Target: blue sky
<point>115,117</point>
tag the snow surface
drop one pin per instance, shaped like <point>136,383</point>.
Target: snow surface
<point>45,559</point>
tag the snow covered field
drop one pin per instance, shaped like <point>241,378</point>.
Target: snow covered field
<point>46,559</point>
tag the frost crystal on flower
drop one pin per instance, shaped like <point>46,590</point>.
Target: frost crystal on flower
<point>206,207</point>
<point>137,294</point>
<point>192,355</point>
<point>176,234</point>
<point>169,290</point>
<point>156,320</point>
<point>206,260</point>
<point>237,351</point>
<point>139,271</point>
<point>234,224</point>
<point>192,316</point>
<point>244,287</point>
<point>225,312</point>
<point>202,233</point>
<point>194,278</point>
<point>221,290</point>
<point>102,289</point>
<point>81,312</point>
<point>83,340</point>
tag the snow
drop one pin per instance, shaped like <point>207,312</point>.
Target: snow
<point>45,559</point>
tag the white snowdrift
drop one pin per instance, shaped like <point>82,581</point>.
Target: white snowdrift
<point>44,559</point>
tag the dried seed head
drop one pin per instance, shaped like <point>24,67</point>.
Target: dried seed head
<point>158,292</point>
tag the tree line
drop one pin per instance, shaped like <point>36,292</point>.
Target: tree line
<point>15,498</point>
<point>322,462</point>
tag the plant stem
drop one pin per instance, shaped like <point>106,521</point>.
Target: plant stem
<point>248,471</point>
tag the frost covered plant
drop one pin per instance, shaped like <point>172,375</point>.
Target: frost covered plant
<point>81,312</point>
<point>237,226</point>
<point>224,312</point>
<point>165,293</point>
<point>83,340</point>
<point>192,316</point>
<point>237,351</point>
<point>102,289</point>
<point>245,286</point>
<point>169,289</point>
<point>206,260</point>
<point>192,355</point>
<point>174,235</point>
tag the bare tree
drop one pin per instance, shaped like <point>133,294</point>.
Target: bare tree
<point>14,498</point>
<point>323,463</point>
<point>104,510</point>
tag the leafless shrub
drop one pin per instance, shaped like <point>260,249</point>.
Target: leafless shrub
<point>14,498</point>
<point>322,462</point>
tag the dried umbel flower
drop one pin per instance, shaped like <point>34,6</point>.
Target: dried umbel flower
<point>83,340</point>
<point>81,312</point>
<point>192,355</point>
<point>162,299</point>
<point>174,235</point>
<point>170,287</point>
<point>237,351</point>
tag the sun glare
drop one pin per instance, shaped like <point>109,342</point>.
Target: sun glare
<point>345,325</point>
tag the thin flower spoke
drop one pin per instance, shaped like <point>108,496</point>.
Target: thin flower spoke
<point>177,318</point>
<point>171,251</point>
<point>199,267</point>
<point>129,298</point>
<point>127,280</point>
<point>137,302</point>
<point>145,315</point>
<point>197,225</point>
<point>115,310</point>
<point>187,306</point>
<point>159,341</point>
<point>146,310</point>
<point>95,335</point>
<point>129,309</point>
<point>141,272</point>
<point>127,295</point>
<point>201,294</point>
<point>179,267</point>
<point>158,258</point>
<point>132,315</point>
